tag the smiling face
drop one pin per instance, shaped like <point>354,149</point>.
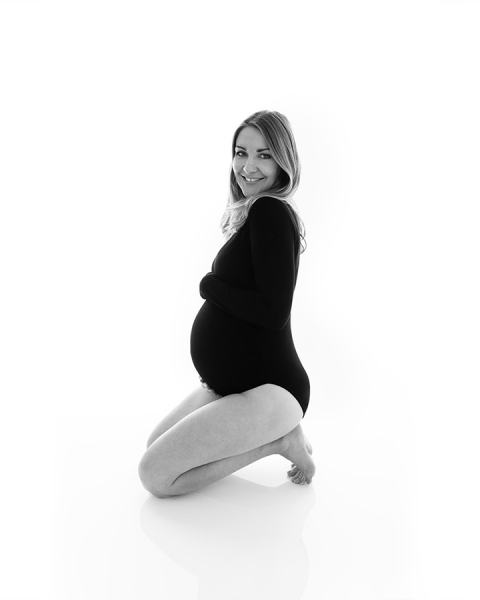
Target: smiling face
<point>254,168</point>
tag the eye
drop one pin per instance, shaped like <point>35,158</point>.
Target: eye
<point>265,156</point>
<point>239,153</point>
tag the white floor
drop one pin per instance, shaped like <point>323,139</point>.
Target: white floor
<point>368,527</point>
<point>253,535</point>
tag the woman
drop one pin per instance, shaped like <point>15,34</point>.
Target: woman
<point>254,390</point>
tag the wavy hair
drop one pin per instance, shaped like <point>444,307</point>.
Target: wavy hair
<point>278,135</point>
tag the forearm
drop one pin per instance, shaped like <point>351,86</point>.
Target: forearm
<point>270,311</point>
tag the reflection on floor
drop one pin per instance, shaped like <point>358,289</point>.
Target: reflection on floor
<point>359,531</point>
<point>353,533</point>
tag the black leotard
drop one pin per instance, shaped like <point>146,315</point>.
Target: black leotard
<point>241,337</point>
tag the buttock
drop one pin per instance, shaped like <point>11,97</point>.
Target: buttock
<point>208,388</point>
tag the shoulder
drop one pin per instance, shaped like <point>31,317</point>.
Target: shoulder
<point>272,214</point>
<point>268,203</point>
<point>267,206</point>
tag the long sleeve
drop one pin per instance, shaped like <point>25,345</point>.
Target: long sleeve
<point>273,253</point>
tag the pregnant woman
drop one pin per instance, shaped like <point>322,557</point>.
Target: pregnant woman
<point>254,390</point>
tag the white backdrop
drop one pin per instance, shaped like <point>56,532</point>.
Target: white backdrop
<point>116,120</point>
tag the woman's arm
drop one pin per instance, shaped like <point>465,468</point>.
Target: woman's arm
<point>272,246</point>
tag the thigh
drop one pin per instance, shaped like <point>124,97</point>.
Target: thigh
<point>197,399</point>
<point>231,425</point>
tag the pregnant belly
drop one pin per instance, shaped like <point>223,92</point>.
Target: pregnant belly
<point>223,348</point>
<point>233,356</point>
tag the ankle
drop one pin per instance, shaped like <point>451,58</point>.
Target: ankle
<point>279,446</point>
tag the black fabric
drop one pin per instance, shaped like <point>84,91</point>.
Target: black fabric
<point>241,337</point>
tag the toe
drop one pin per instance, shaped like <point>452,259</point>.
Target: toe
<point>298,477</point>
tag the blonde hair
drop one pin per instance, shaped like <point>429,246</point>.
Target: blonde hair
<point>278,135</point>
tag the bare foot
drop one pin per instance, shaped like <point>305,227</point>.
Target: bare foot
<point>298,449</point>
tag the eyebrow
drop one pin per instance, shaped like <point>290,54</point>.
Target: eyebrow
<point>259,150</point>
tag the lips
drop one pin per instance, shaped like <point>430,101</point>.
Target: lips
<point>255,179</point>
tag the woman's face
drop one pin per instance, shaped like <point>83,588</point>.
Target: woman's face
<point>253,166</point>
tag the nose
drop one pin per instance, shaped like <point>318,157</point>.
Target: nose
<point>250,166</point>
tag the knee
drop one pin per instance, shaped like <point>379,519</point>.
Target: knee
<point>151,439</point>
<point>156,433</point>
<point>151,481</point>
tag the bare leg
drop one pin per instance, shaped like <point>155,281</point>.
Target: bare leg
<point>205,474</point>
<point>238,424</point>
<point>293,446</point>
<point>198,398</point>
